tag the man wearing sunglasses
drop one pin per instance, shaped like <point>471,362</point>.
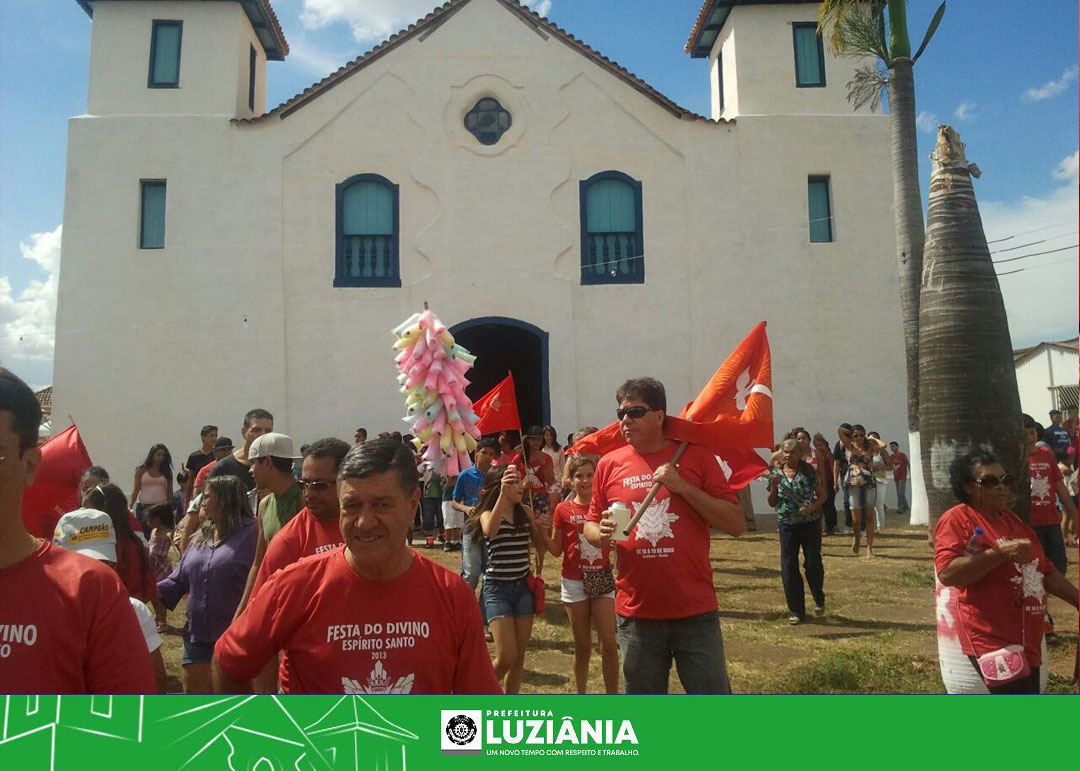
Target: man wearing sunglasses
<point>665,604</point>
<point>315,528</point>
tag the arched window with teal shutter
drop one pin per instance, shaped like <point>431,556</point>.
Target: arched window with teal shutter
<point>367,232</point>
<point>612,247</point>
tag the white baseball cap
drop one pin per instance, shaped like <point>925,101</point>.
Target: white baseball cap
<point>89,532</point>
<point>272,446</point>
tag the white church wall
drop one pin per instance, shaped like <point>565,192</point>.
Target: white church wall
<point>213,60</point>
<point>239,309</point>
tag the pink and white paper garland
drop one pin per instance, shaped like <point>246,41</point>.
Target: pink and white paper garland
<point>432,367</point>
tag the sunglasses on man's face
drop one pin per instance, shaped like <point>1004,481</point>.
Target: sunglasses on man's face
<point>637,413</point>
<point>315,486</point>
<point>992,480</point>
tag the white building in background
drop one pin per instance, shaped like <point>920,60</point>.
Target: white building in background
<point>570,222</point>
<point>1047,377</point>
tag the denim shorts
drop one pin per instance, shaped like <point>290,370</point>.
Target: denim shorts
<point>861,497</point>
<point>197,653</point>
<point>508,598</point>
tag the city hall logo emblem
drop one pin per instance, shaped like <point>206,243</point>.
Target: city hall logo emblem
<point>461,732</point>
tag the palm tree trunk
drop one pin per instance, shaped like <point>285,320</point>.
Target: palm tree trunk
<point>967,382</point>
<point>908,220</point>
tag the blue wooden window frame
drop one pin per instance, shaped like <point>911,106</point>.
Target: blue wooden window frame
<point>150,235</point>
<point>393,272</point>
<point>253,59</point>
<point>720,79</point>
<point>153,78</point>
<point>819,188</point>
<point>800,82</point>
<point>636,260</point>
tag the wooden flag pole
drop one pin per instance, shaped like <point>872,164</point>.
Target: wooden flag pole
<point>652,493</point>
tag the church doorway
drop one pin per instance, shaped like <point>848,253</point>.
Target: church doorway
<point>502,344</point>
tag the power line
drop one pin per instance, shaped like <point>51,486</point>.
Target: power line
<point>1034,230</point>
<point>1034,267</point>
<point>1034,243</point>
<point>1035,254</point>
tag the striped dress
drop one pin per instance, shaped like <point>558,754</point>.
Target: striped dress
<point>508,553</point>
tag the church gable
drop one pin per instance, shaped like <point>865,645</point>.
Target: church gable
<point>499,28</point>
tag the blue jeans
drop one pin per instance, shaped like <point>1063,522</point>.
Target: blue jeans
<point>508,598</point>
<point>808,536</point>
<point>1053,543</point>
<point>473,558</point>
<point>197,653</point>
<point>901,495</point>
<point>648,645</point>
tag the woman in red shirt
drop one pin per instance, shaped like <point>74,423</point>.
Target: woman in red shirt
<point>588,588</point>
<point>1001,575</point>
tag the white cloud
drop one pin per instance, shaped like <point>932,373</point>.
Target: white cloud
<point>927,121</point>
<point>1041,301</point>
<point>965,110</point>
<point>28,319</point>
<point>1052,88</point>
<point>315,61</point>
<point>376,20</point>
<point>1069,169</point>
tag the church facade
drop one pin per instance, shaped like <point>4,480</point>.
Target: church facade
<point>566,220</point>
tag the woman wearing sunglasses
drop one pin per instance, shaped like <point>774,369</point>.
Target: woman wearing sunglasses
<point>1001,577</point>
<point>860,482</point>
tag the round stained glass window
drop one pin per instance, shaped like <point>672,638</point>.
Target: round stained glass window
<point>488,121</point>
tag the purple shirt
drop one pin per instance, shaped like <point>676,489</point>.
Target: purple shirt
<point>213,577</point>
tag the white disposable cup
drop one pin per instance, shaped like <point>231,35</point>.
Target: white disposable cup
<point>620,513</point>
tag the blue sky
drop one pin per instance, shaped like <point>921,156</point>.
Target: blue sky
<point>1003,73</point>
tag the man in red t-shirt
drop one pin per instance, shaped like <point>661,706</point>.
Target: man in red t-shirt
<point>1047,485</point>
<point>315,528</point>
<point>69,626</point>
<point>666,603</point>
<point>371,617</point>
<point>900,464</point>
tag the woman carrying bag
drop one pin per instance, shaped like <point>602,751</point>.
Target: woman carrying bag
<point>507,527</point>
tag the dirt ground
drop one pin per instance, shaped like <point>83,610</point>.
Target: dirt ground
<point>878,635</point>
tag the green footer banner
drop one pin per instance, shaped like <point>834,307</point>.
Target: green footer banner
<point>309,733</point>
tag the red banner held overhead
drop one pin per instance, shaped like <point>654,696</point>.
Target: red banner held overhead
<point>55,490</point>
<point>497,410</point>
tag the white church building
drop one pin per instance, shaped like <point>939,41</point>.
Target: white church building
<point>569,222</point>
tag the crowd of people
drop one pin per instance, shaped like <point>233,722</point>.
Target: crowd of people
<point>300,576</point>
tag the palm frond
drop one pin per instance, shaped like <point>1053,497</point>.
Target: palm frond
<point>854,27</point>
<point>867,86</point>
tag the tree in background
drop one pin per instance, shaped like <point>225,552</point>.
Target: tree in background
<point>879,28</point>
<point>967,380</point>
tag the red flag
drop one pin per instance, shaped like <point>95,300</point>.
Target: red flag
<point>497,410</point>
<point>731,415</point>
<point>736,403</point>
<point>56,485</point>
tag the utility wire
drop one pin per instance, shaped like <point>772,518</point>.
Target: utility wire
<point>1034,267</point>
<point>1035,254</point>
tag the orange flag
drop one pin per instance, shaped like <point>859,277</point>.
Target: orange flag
<point>736,403</point>
<point>497,409</point>
<point>731,415</point>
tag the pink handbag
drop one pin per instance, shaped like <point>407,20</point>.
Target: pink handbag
<point>1004,665</point>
